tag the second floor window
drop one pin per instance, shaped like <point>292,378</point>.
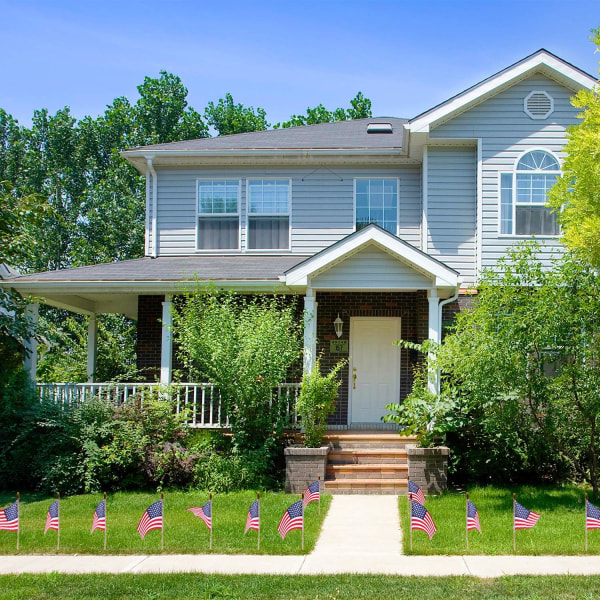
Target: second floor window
<point>377,202</point>
<point>218,215</point>
<point>523,196</point>
<point>268,214</point>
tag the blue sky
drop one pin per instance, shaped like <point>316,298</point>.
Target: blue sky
<point>406,56</point>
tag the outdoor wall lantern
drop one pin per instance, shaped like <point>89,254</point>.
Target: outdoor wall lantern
<point>339,326</point>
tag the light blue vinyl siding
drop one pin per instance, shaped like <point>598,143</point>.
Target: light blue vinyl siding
<point>506,132</point>
<point>370,269</point>
<point>322,204</point>
<point>452,208</point>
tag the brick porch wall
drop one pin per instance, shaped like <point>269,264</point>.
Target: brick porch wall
<point>412,307</point>
<point>149,335</point>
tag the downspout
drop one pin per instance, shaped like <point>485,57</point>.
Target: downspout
<point>154,247</point>
<point>442,304</point>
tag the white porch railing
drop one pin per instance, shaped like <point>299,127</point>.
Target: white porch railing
<point>201,401</point>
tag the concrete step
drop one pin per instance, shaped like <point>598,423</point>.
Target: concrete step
<point>368,456</point>
<point>366,486</point>
<point>367,471</point>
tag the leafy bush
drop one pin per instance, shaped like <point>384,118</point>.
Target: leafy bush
<point>316,401</point>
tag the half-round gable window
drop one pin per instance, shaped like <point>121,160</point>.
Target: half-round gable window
<point>524,194</point>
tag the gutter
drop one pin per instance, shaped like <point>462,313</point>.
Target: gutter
<point>154,247</point>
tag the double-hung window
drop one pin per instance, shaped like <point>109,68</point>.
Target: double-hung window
<point>218,214</point>
<point>524,193</point>
<point>377,202</point>
<point>268,214</point>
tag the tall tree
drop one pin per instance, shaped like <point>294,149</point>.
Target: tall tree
<point>360,109</point>
<point>576,195</point>
<point>228,118</point>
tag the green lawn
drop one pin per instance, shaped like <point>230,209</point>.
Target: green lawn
<point>560,529</point>
<point>332,587</point>
<point>184,532</point>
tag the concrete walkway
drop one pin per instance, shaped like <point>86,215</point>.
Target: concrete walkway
<point>361,534</point>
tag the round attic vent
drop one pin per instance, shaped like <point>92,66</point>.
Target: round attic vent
<point>539,105</point>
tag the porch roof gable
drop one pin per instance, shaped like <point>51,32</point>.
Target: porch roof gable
<point>440,274</point>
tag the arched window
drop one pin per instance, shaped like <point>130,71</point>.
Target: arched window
<point>524,193</point>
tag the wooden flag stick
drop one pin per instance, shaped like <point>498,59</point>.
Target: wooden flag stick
<point>319,480</point>
<point>514,528</point>
<point>105,520</point>
<point>302,521</point>
<point>467,521</point>
<point>211,521</point>
<point>409,496</point>
<point>258,499</point>
<point>18,518</point>
<point>162,529</point>
<point>58,531</point>
<point>586,529</point>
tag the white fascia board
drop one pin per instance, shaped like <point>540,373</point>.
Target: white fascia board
<point>480,92</point>
<point>442,275</point>
<point>138,287</point>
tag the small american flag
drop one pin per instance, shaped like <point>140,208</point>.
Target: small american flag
<point>524,519</point>
<point>416,491</point>
<point>52,517</point>
<point>421,519</point>
<point>472,517</point>
<point>151,519</point>
<point>253,518</point>
<point>592,516</point>
<point>204,512</point>
<point>293,518</point>
<point>312,493</point>
<point>99,521</point>
<point>9,517</point>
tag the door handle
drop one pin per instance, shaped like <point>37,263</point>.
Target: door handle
<point>354,379</point>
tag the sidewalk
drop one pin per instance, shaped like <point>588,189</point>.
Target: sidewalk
<point>361,534</point>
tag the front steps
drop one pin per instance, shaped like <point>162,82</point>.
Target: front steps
<point>366,462</point>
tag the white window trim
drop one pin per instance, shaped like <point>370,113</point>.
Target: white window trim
<point>397,180</point>
<point>513,172</point>
<point>249,215</point>
<point>238,214</point>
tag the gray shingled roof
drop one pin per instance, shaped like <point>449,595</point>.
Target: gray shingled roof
<point>173,268</point>
<point>339,135</point>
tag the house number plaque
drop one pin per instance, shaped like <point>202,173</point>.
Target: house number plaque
<point>338,346</point>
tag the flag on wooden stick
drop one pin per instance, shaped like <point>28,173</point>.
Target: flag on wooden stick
<point>524,519</point>
<point>9,517</point>
<point>253,518</point>
<point>204,512</point>
<point>99,520</point>
<point>52,517</point>
<point>312,493</point>
<point>421,519</point>
<point>592,515</point>
<point>293,518</point>
<point>416,491</point>
<point>151,519</point>
<point>472,517</point>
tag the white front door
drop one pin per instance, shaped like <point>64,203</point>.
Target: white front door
<point>374,367</point>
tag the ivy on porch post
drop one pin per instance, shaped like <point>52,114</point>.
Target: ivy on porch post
<point>31,344</point>
<point>166,349</point>
<point>310,330</point>
<point>434,334</point>
<point>92,347</point>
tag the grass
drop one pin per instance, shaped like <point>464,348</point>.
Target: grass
<point>266,587</point>
<point>560,529</point>
<point>183,532</point>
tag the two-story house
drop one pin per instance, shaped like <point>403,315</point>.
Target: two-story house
<point>378,224</point>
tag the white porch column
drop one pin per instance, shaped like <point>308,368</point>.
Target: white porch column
<point>31,344</point>
<point>435,335</point>
<point>310,330</point>
<point>92,347</point>
<point>166,351</point>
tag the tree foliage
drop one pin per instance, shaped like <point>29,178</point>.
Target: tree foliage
<point>522,371</point>
<point>228,118</point>
<point>246,346</point>
<point>576,196</point>
<point>360,108</point>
